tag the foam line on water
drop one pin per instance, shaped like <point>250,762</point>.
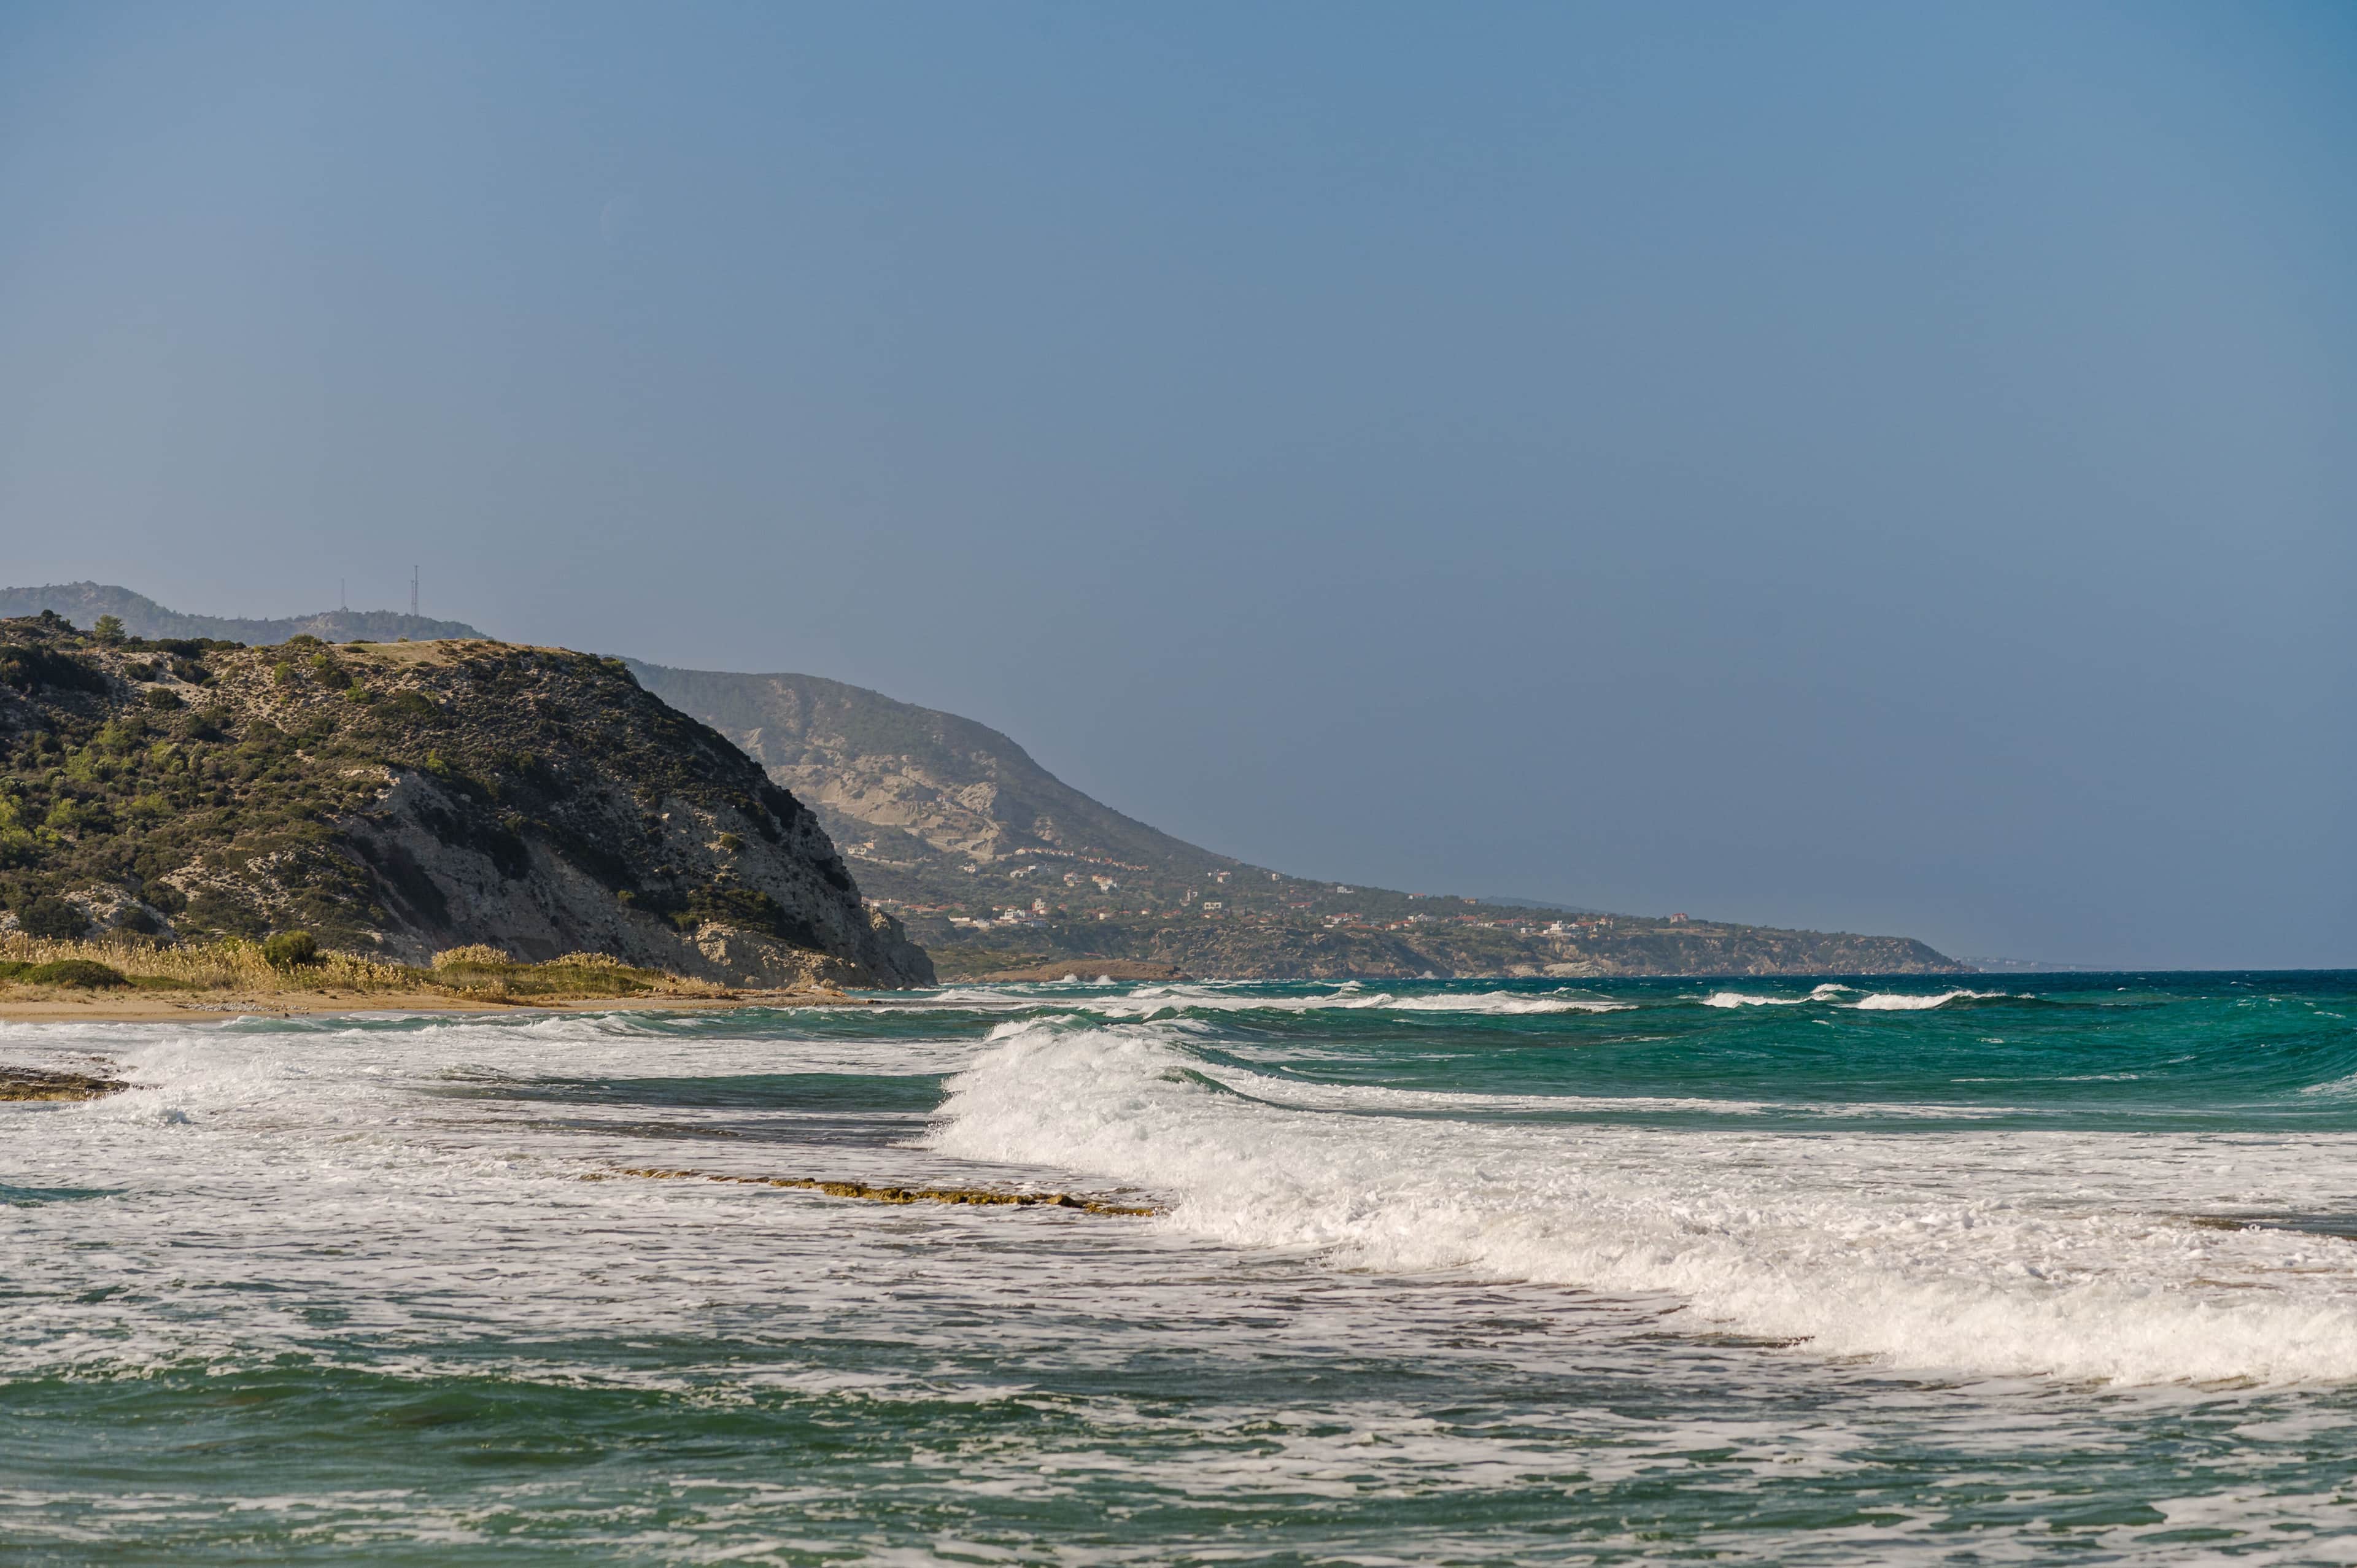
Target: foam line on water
<point>1907,1002</point>
<point>1206,996</point>
<point>1149,1001</point>
<point>1826,992</point>
<point>1968,1250</point>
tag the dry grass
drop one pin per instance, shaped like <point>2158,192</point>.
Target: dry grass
<point>230,965</point>
<point>239,966</point>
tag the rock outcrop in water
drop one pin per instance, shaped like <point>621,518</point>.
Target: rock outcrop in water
<point>401,798</point>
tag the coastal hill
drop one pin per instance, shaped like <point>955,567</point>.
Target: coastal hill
<point>1000,867</point>
<point>996,866</point>
<point>400,799</point>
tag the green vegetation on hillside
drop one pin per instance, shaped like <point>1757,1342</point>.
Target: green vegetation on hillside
<point>231,792</point>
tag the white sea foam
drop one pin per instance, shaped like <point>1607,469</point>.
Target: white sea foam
<point>1743,999</point>
<point>1905,1002</point>
<point>1201,996</point>
<point>1967,1250</point>
<point>1150,1001</point>
<point>1875,1002</point>
<point>404,1177</point>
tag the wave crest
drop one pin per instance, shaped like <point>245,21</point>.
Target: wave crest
<point>1838,1244</point>
<point>1905,1002</point>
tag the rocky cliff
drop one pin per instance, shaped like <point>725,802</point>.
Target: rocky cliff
<point>406,797</point>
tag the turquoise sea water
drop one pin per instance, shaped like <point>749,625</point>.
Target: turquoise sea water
<point>2011,1268</point>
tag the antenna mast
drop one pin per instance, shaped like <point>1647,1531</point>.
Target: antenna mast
<point>412,593</point>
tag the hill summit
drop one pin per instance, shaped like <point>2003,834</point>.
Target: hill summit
<point>407,798</point>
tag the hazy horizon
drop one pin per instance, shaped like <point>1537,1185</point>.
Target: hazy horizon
<point>1824,466</point>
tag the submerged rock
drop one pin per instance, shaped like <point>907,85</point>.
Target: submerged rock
<point>32,1083</point>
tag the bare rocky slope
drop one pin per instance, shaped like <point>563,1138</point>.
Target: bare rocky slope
<point>402,799</point>
<point>1000,867</point>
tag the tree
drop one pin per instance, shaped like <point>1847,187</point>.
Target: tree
<point>52,917</point>
<point>108,628</point>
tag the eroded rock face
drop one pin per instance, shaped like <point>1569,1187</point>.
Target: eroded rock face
<point>445,885</point>
<point>407,798</point>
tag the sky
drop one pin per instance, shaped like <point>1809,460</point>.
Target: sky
<point>1857,467</point>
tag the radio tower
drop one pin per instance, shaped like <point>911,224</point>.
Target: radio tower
<point>412,593</point>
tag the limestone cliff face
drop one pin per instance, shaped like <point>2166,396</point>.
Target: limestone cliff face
<point>410,797</point>
<point>942,788</point>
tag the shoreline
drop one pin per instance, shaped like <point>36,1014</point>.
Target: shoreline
<point>193,1006</point>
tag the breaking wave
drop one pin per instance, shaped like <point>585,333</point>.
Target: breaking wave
<point>1903,1002</point>
<point>1161,1001</point>
<point>1966,1256</point>
<point>1741,999</point>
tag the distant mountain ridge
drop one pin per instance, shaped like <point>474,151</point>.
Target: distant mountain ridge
<point>998,866</point>
<point>84,603</point>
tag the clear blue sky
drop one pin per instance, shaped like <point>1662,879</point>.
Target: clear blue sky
<point>1873,466</point>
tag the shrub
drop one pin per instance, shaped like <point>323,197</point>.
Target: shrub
<point>291,950</point>
<point>747,908</point>
<point>474,956</point>
<point>29,666</point>
<point>162,697</point>
<point>87,975</point>
<point>52,918</point>
<point>283,672</point>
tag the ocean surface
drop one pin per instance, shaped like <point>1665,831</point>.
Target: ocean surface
<point>2018,1269</point>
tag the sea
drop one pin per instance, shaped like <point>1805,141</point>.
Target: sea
<point>1935,1269</point>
